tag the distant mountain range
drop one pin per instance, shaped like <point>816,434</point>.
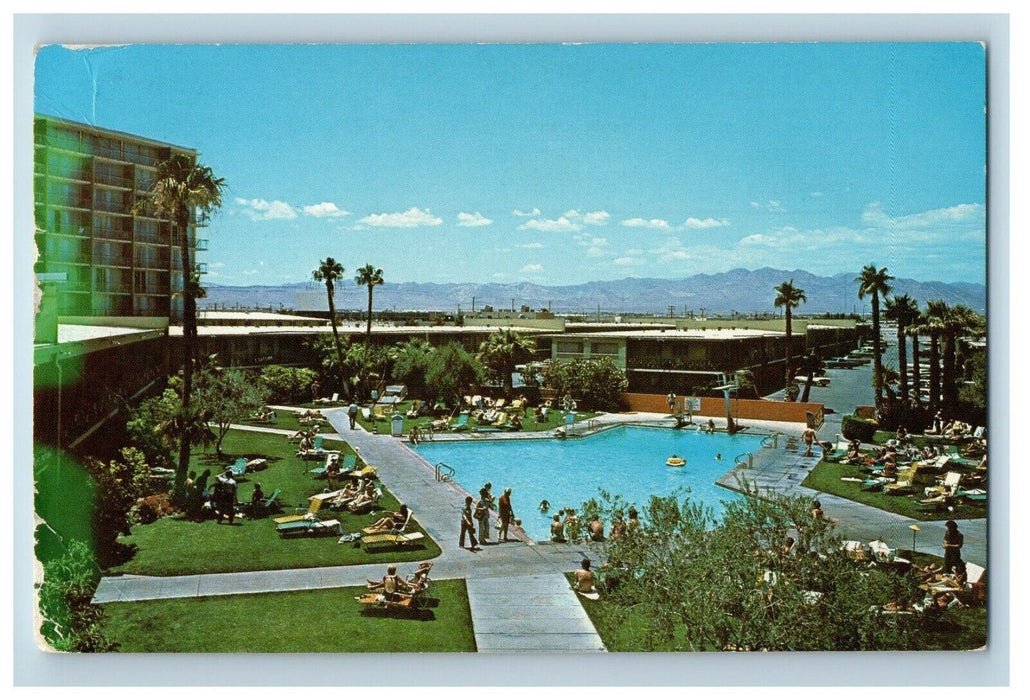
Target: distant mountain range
<point>740,290</point>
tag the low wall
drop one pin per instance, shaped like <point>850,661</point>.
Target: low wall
<point>789,412</point>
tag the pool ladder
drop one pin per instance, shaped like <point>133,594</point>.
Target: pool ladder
<point>772,441</point>
<point>747,459</point>
<point>444,471</point>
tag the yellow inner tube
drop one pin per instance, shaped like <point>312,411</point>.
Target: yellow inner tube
<point>676,462</point>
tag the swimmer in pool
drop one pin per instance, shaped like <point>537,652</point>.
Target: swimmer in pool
<point>544,506</point>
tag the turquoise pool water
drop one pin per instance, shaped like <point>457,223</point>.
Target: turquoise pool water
<point>628,461</point>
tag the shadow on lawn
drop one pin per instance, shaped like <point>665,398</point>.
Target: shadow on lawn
<point>424,613</point>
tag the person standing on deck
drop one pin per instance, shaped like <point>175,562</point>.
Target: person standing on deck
<point>505,512</point>
<point>468,526</point>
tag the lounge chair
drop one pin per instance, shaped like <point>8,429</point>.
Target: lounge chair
<point>379,413</point>
<point>367,506</point>
<point>518,404</point>
<point>501,420</point>
<point>309,527</point>
<point>239,468</point>
<point>413,598</point>
<point>366,472</point>
<point>317,501</point>
<point>391,540</point>
<point>266,505</point>
<point>499,403</point>
<point>324,469</point>
<point>463,421</point>
<point>333,399</point>
<point>488,417</point>
<point>398,530</point>
<point>413,410</point>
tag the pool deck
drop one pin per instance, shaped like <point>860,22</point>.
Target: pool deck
<point>518,596</point>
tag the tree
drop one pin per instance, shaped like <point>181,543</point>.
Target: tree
<point>287,385</point>
<point>875,284</point>
<point>903,311</point>
<point>142,428</point>
<point>370,277</point>
<point>917,372</point>
<point>187,423</point>
<point>504,349</point>
<point>688,581</point>
<point>452,371</point>
<point>959,321</point>
<point>330,272</point>
<point>596,384</point>
<point>789,297</point>
<point>181,189</point>
<point>119,484</point>
<point>412,364</point>
<point>228,396</point>
<point>932,323</point>
<point>810,364</point>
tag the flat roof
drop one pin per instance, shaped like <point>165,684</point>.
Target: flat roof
<point>353,329</point>
<point>251,316</point>
<point>684,334</point>
<point>67,333</point>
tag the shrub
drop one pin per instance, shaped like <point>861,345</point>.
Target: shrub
<point>152,508</point>
<point>858,429</point>
<point>287,384</point>
<point>70,622</point>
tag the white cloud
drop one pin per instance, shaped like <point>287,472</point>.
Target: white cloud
<point>628,261</point>
<point>412,218</point>
<point>532,212</point>
<point>634,252</point>
<point>572,214</point>
<point>530,246</point>
<point>476,219</point>
<point>772,205</point>
<point>958,215</point>
<point>660,224</point>
<point>250,272</point>
<point>216,264</point>
<point>551,225</point>
<point>596,218</point>
<point>324,210</point>
<point>705,223</point>
<point>532,267</point>
<point>263,210</point>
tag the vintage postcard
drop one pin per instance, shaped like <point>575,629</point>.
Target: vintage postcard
<point>521,348</point>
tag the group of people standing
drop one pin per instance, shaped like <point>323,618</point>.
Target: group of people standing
<point>478,515</point>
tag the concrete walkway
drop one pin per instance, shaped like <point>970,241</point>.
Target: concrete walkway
<point>538,613</point>
<point>781,471</point>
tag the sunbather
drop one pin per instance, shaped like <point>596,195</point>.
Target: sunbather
<point>557,529</point>
<point>585,578</point>
<point>392,585</point>
<point>366,497</point>
<point>390,521</point>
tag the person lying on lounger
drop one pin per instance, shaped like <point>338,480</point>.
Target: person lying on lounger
<point>348,494</point>
<point>390,521</point>
<point>364,498</point>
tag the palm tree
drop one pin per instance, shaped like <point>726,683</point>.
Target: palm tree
<point>181,189</point>
<point>932,324</point>
<point>810,364</point>
<point>330,272</point>
<point>914,330</point>
<point>960,320</point>
<point>904,311</point>
<point>875,284</point>
<point>504,349</point>
<point>370,277</point>
<point>789,297</point>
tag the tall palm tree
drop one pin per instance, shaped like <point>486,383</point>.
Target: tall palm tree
<point>959,321</point>
<point>876,285</point>
<point>789,297</point>
<point>904,311</point>
<point>914,330</point>
<point>181,189</point>
<point>370,277</point>
<point>504,349</point>
<point>932,323</point>
<point>331,272</point>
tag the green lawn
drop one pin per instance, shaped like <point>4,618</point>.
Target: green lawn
<point>826,477</point>
<point>300,621</point>
<point>175,545</point>
<point>880,437</point>
<point>285,420</point>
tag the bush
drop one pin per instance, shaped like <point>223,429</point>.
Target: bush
<point>597,385</point>
<point>152,508</point>
<point>70,622</point>
<point>287,384</point>
<point>894,414</point>
<point>854,428</point>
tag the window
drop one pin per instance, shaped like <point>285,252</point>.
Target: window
<point>570,347</point>
<point>604,348</point>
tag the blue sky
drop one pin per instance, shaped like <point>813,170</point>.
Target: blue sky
<point>560,164</point>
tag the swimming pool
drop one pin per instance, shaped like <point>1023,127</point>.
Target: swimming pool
<point>627,461</point>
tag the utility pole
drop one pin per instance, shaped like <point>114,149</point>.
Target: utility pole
<point>473,305</point>
<point>672,311</point>
<point>513,304</point>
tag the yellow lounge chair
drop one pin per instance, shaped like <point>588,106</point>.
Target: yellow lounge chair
<point>312,511</point>
<point>391,540</point>
<point>502,419</point>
